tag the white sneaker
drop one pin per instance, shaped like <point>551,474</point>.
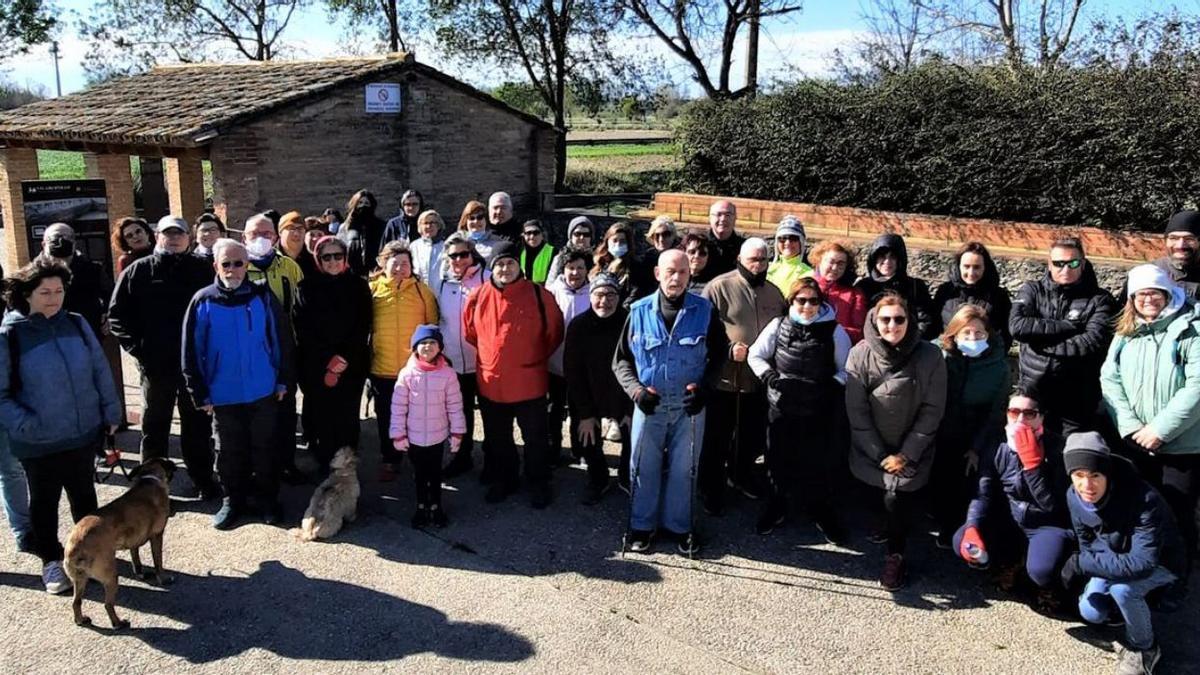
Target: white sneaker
<point>55,578</point>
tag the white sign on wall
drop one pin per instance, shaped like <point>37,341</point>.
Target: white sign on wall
<point>383,97</point>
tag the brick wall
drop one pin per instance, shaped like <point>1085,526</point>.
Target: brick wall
<point>447,144</point>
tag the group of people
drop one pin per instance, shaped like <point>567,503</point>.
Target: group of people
<point>703,352</point>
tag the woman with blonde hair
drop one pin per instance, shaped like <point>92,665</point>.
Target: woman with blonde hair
<point>400,302</point>
<point>427,247</point>
<point>977,385</point>
<point>473,223</point>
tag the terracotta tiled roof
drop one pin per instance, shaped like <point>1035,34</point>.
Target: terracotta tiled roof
<point>173,105</point>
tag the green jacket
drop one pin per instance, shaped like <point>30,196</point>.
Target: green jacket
<point>785,272</point>
<point>1153,378</point>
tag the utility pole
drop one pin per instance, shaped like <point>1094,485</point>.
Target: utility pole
<point>57,79</point>
<point>752,49</point>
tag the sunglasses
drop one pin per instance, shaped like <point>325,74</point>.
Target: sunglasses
<point>898,320</point>
<point>234,264</point>
<point>1027,413</point>
<point>581,234</point>
<point>531,233</point>
<point>330,257</point>
<point>1073,263</point>
<point>459,255</point>
<point>698,251</point>
<point>788,237</point>
<point>815,302</point>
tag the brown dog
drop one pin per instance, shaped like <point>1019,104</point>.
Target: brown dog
<point>127,522</point>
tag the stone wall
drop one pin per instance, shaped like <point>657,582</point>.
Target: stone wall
<point>934,267</point>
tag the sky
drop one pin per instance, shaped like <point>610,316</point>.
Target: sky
<point>803,43</point>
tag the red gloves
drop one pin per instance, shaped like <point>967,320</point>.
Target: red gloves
<point>971,538</point>
<point>1029,450</point>
<point>334,369</point>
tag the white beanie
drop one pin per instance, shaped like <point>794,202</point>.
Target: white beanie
<point>1147,276</point>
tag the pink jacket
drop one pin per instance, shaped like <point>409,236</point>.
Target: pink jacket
<point>427,404</point>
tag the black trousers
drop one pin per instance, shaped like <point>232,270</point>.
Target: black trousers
<point>530,416</point>
<point>1177,478</point>
<point>160,394</point>
<point>427,470</point>
<point>466,383</point>
<point>330,416</point>
<point>735,434</point>
<point>897,508</point>
<point>557,408</point>
<point>381,392</point>
<point>246,461</point>
<point>48,476</point>
<point>802,460</point>
<point>593,453</point>
<point>950,489</point>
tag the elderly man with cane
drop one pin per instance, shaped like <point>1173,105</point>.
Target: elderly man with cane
<point>671,349</point>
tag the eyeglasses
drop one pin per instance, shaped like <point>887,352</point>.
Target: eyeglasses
<point>815,302</point>
<point>898,320</point>
<point>1073,263</point>
<point>330,257</point>
<point>1027,413</point>
<point>458,255</point>
<point>788,238</point>
<point>698,251</point>
<point>605,295</point>
<point>234,264</point>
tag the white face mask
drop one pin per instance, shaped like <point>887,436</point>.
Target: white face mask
<point>259,247</point>
<point>618,250</point>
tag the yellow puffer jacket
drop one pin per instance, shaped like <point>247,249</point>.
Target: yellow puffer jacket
<point>398,311</point>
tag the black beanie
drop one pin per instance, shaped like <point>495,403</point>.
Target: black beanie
<point>1086,451</point>
<point>1185,221</point>
<point>504,249</point>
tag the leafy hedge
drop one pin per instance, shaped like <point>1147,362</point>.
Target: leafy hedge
<point>1100,146</point>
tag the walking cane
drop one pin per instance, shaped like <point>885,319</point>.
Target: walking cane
<point>692,486</point>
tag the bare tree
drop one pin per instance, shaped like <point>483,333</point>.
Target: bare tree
<point>385,15</point>
<point>131,35</point>
<point>685,26</point>
<point>900,32</point>
<point>1024,32</point>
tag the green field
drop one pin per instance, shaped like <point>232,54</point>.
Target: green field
<point>63,165</point>
<point>620,150</point>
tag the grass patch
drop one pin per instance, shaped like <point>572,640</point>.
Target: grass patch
<point>60,165</point>
<point>620,150</point>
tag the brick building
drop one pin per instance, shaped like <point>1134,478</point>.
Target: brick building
<point>301,135</point>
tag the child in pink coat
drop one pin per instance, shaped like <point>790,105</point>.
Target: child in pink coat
<point>427,408</point>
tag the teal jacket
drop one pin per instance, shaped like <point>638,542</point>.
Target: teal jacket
<point>1153,378</point>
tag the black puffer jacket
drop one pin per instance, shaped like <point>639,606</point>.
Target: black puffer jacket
<point>1064,333</point>
<point>363,235</point>
<point>722,254</point>
<point>987,294</point>
<point>592,386</point>
<point>914,291</point>
<point>333,316</point>
<point>148,305</point>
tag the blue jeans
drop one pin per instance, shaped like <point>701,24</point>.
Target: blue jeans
<point>1101,595</point>
<point>669,433</point>
<point>14,491</point>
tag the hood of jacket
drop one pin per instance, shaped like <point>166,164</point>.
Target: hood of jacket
<point>984,288</point>
<point>887,351</point>
<point>882,244</point>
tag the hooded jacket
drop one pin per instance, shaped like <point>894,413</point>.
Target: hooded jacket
<point>402,227</point>
<point>282,275</point>
<point>1153,378</point>
<point>810,360</point>
<point>363,235</point>
<point>63,393</point>
<point>785,272</point>
<point>592,386</point>
<point>745,310</point>
<point>914,291</point>
<point>987,294</point>
<point>427,403</point>
<point>572,303</point>
<point>848,302</point>
<point>234,349</point>
<point>148,305</point>
<point>333,317</point>
<point>515,330</point>
<point>556,265</point>
<point>976,395</point>
<point>1035,497</point>
<point>1064,333</point>
<point>452,297</point>
<point>1129,533</point>
<point>895,399</point>
<point>397,311</point>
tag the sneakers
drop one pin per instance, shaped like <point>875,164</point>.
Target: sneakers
<point>421,518</point>
<point>55,578</point>
<point>594,492</point>
<point>227,516</point>
<point>1134,662</point>
<point>437,517</point>
<point>639,540</point>
<point>893,577</point>
<point>210,492</point>
<point>713,505</point>
<point>831,528</point>
<point>772,517</point>
<point>25,542</point>
<point>745,487</point>
<point>541,496</point>
<point>688,544</point>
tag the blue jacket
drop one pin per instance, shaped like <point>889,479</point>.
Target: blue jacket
<point>669,361</point>
<point>1034,496</point>
<point>232,353</point>
<point>1130,533</point>
<point>63,392</point>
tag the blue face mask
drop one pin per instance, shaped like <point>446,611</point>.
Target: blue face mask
<point>477,235</point>
<point>972,348</point>
<point>794,315</point>
<point>618,250</point>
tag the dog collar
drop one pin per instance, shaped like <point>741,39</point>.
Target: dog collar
<point>154,478</point>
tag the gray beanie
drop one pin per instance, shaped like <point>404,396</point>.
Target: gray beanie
<point>1087,451</point>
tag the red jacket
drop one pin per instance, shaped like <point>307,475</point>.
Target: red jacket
<point>849,303</point>
<point>514,339</point>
